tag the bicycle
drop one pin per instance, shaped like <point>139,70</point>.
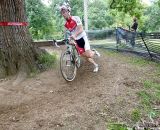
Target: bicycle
<point>70,59</point>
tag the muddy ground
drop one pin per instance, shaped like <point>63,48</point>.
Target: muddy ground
<point>90,102</point>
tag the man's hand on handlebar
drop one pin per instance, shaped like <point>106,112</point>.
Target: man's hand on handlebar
<point>73,37</point>
<point>72,40</point>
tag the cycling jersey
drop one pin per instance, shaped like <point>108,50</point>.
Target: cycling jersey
<point>72,23</point>
<point>81,39</point>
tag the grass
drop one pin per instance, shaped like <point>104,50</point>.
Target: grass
<point>155,90</point>
<point>47,60</point>
<point>139,61</point>
<point>112,53</point>
<point>132,59</point>
<point>145,98</point>
<point>149,96</point>
<point>148,84</point>
<point>135,115</point>
<point>151,84</point>
<point>117,126</point>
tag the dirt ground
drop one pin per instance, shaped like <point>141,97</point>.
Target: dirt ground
<point>48,102</point>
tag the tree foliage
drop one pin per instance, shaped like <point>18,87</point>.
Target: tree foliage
<point>103,19</point>
<point>42,24</point>
<point>152,14</point>
<point>46,22</point>
<point>132,7</point>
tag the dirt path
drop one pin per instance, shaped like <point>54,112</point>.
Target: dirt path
<point>48,102</point>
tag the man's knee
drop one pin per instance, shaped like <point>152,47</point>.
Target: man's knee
<point>88,54</point>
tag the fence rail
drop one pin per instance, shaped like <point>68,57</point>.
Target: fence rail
<point>153,35</point>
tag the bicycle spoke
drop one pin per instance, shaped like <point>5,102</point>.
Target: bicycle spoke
<point>68,67</point>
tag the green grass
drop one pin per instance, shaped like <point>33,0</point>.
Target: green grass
<point>138,61</point>
<point>135,115</point>
<point>151,84</point>
<point>111,53</point>
<point>145,98</point>
<point>134,60</point>
<point>154,114</point>
<point>155,90</point>
<point>47,60</point>
<point>150,98</point>
<point>147,84</point>
<point>116,126</point>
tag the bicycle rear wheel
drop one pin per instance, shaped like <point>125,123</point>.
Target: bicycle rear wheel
<point>67,66</point>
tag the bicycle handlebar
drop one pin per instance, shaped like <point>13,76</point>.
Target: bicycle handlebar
<point>67,39</point>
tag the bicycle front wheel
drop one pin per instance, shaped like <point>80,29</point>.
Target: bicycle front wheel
<point>67,66</point>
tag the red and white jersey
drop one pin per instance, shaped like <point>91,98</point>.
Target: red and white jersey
<point>71,25</point>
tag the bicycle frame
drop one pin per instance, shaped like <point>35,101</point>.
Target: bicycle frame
<point>71,46</point>
<point>70,60</point>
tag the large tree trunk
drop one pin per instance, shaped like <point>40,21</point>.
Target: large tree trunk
<point>16,49</point>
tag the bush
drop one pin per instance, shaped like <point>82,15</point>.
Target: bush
<point>46,60</point>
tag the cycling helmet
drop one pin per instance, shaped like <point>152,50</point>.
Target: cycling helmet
<point>65,7</point>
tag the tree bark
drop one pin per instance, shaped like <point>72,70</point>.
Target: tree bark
<point>17,51</point>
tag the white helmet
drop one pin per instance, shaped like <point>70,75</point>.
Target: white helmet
<point>65,6</point>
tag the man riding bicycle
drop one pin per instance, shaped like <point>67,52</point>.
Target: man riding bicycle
<point>74,25</point>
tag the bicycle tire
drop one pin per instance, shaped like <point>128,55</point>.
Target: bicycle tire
<point>77,58</point>
<point>68,65</point>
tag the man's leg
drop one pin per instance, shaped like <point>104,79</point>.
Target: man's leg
<point>96,67</point>
<point>89,57</point>
<point>89,54</point>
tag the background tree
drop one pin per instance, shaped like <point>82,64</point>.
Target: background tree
<point>131,7</point>
<point>101,21</point>
<point>46,22</point>
<point>40,17</point>
<point>17,52</point>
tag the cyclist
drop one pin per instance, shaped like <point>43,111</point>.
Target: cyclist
<point>74,25</point>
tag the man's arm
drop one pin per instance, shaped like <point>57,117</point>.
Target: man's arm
<point>78,31</point>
